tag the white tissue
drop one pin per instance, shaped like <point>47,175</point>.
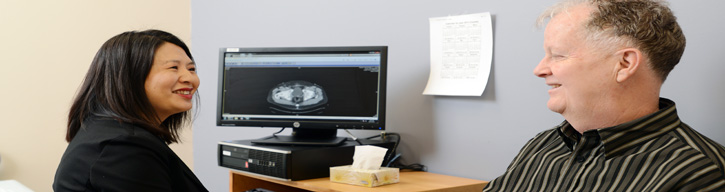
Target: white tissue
<point>368,157</point>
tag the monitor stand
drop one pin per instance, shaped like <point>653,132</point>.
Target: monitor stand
<point>304,137</point>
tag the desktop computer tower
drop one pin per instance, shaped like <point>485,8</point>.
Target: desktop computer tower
<point>289,162</point>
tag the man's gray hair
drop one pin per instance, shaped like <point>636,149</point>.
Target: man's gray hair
<point>648,25</point>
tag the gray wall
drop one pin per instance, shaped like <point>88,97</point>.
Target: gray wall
<point>473,137</point>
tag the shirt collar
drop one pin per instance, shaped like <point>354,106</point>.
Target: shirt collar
<point>620,138</point>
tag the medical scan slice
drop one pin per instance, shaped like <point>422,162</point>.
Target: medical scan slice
<point>297,97</point>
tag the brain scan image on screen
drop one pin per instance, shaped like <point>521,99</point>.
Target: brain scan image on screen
<point>297,97</point>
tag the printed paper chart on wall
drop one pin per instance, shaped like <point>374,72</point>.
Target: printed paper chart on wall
<point>461,48</point>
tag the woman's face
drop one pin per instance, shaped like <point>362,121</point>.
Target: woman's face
<point>172,81</point>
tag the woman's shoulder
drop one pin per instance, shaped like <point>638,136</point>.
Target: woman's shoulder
<point>102,129</point>
<point>106,152</point>
<point>97,134</point>
<point>101,138</point>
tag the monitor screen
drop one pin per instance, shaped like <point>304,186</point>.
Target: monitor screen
<point>303,87</point>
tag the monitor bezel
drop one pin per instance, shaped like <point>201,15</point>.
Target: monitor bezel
<point>306,124</point>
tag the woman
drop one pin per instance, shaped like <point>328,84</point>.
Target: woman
<point>136,96</point>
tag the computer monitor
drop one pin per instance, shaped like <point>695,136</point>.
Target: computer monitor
<point>313,90</point>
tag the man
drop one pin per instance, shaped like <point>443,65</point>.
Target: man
<point>606,61</point>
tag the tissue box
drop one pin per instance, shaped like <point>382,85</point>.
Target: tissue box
<point>363,177</point>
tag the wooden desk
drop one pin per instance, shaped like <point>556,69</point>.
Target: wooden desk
<point>409,182</point>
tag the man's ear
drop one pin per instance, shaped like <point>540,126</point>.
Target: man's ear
<point>630,60</point>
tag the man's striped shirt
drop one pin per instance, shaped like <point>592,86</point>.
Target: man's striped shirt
<point>653,153</point>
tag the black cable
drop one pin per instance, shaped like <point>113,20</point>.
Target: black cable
<point>395,147</point>
<point>358,142</point>
<point>392,162</point>
<point>413,167</point>
<point>395,161</point>
<point>280,131</point>
<point>353,137</point>
<point>375,136</point>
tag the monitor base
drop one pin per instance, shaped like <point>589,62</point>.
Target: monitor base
<point>300,141</point>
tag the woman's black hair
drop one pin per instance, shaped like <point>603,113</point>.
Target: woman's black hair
<point>114,85</point>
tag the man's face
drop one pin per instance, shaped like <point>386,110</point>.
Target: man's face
<point>578,74</point>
